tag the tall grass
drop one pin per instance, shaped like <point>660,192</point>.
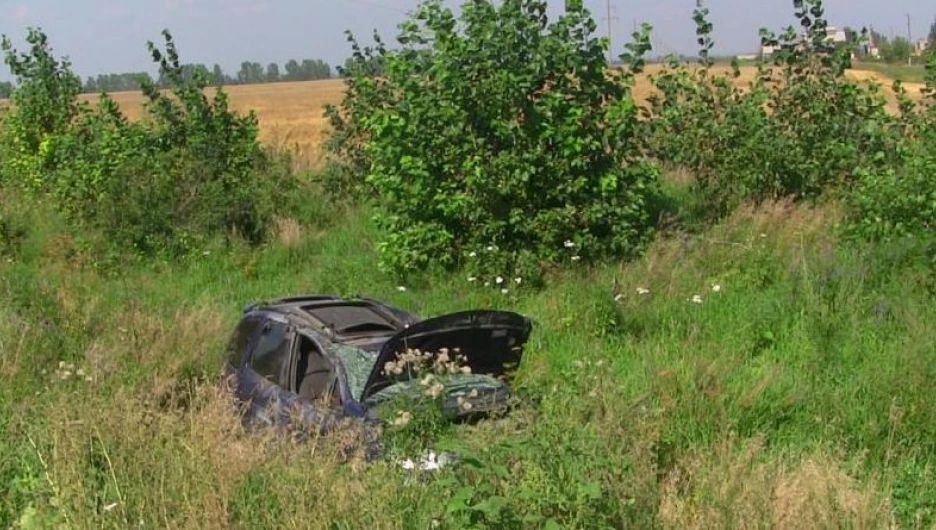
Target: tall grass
<point>758,374</point>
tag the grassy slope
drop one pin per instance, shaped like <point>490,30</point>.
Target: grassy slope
<point>799,395</point>
<point>898,72</point>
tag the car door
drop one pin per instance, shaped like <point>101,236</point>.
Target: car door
<point>263,379</point>
<point>267,383</point>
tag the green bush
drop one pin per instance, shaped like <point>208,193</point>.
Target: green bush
<point>898,200</point>
<point>494,138</point>
<point>895,202</point>
<point>346,146</point>
<point>192,170</point>
<point>798,129</point>
<point>44,104</point>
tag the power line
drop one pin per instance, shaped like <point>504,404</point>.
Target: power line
<point>381,5</point>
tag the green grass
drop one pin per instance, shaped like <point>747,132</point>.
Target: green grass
<point>797,394</point>
<point>899,72</point>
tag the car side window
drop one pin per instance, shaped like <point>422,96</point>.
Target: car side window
<point>240,340</point>
<point>271,356</point>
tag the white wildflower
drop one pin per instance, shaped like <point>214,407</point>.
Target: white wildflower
<point>618,297</point>
<point>490,248</point>
<point>505,291</point>
<point>576,258</point>
<point>401,289</point>
<point>499,280</point>
<point>696,299</point>
<point>518,280</point>
<point>569,244</point>
<point>643,291</point>
<point>435,390</point>
<point>430,463</point>
<point>403,418</point>
<point>472,254</point>
<point>716,288</point>
<point>472,279</point>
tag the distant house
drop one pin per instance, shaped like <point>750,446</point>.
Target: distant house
<point>836,35</point>
<point>767,51</point>
<point>921,46</point>
<point>833,34</point>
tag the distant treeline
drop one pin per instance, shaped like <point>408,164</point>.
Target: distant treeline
<point>249,73</point>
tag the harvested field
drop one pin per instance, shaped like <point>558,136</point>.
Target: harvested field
<point>291,114</point>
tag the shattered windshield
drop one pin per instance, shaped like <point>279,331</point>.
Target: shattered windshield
<point>358,364</point>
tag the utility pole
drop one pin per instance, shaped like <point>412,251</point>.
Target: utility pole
<point>609,18</point>
<point>909,41</point>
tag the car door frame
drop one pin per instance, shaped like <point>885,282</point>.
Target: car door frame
<point>349,405</point>
<point>260,392</point>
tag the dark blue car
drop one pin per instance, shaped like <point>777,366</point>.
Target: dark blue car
<point>311,362</point>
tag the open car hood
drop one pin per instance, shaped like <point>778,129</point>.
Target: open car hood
<point>491,341</point>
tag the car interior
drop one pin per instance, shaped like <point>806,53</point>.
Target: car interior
<point>316,378</point>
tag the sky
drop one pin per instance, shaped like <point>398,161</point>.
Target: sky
<point>104,36</point>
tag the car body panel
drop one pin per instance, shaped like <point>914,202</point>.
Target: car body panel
<point>355,338</point>
<point>490,341</point>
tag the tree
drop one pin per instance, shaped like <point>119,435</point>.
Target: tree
<point>500,142</point>
<point>250,72</point>
<point>897,50</point>
<point>189,71</point>
<point>293,72</point>
<point>931,38</point>
<point>6,88</point>
<point>217,76</point>
<point>272,73</point>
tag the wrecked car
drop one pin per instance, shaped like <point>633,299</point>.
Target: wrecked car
<point>310,362</point>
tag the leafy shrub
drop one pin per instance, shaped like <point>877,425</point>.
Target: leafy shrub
<point>346,146</point>
<point>895,202</point>
<point>44,105</point>
<point>798,129</point>
<point>191,171</point>
<point>494,138</point>
<point>899,200</point>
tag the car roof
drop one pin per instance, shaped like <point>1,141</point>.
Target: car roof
<point>340,318</point>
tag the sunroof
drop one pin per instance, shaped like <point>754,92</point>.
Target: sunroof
<point>350,319</point>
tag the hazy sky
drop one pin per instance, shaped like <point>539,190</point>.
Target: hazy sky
<point>110,35</point>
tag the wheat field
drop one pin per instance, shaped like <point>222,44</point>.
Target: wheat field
<point>291,114</point>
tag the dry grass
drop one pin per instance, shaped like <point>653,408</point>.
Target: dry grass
<point>734,486</point>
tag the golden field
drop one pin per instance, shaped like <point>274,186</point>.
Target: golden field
<point>291,114</point>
